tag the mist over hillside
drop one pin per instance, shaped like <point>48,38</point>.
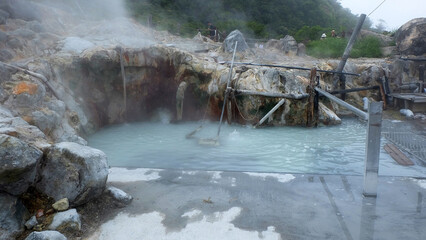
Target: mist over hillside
<point>256,18</point>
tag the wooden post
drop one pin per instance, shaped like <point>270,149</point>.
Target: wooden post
<point>372,149</point>
<point>310,118</point>
<point>123,75</point>
<point>422,78</point>
<point>228,89</point>
<point>316,102</point>
<point>348,49</point>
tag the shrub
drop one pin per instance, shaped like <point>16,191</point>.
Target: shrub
<point>326,48</point>
<point>334,48</point>
<point>367,47</point>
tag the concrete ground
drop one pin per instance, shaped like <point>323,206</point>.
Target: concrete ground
<point>174,204</point>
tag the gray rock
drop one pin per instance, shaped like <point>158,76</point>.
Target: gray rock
<point>31,222</point>
<point>21,9</point>
<point>3,36</point>
<point>274,43</point>
<point>36,26</point>
<point>3,17</point>
<point>289,45</point>
<point>24,33</point>
<point>235,36</point>
<point>70,170</point>
<point>68,220</point>
<point>57,106</point>
<point>26,94</point>
<point>15,43</point>
<point>25,132</point>
<point>5,73</point>
<point>61,205</point>
<point>121,198</point>
<point>301,49</point>
<point>407,113</point>
<point>12,215</point>
<point>5,113</point>
<point>6,55</point>
<point>46,120</point>
<point>411,38</point>
<point>65,133</point>
<point>46,235</point>
<point>18,162</point>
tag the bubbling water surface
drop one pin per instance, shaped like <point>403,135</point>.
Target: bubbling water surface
<point>323,150</point>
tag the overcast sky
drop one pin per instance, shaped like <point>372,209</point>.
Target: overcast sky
<point>394,12</point>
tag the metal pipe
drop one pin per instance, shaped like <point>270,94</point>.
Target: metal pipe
<point>355,110</point>
<point>227,89</point>
<point>354,90</point>
<point>271,112</point>
<point>289,67</point>
<point>271,94</point>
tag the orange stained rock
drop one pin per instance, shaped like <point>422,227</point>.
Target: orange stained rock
<point>25,87</point>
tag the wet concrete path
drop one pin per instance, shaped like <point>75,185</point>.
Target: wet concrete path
<point>174,204</point>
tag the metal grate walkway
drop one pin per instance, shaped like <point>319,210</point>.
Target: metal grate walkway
<point>402,135</point>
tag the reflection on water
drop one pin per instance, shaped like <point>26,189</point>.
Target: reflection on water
<point>327,150</point>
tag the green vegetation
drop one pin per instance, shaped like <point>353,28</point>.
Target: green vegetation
<point>367,47</point>
<point>334,48</point>
<point>326,48</point>
<point>255,18</point>
<point>306,20</point>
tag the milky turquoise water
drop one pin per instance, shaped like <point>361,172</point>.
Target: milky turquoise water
<point>324,150</point>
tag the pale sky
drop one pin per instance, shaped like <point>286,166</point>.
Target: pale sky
<point>394,12</point>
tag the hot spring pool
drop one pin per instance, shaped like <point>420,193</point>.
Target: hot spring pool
<point>324,150</point>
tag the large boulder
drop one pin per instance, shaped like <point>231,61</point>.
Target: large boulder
<point>70,170</point>
<point>66,221</point>
<point>12,215</point>
<point>25,93</point>
<point>3,16</point>
<point>289,45</point>
<point>20,9</point>
<point>235,36</point>
<point>46,235</point>
<point>18,163</point>
<point>18,127</point>
<point>411,38</point>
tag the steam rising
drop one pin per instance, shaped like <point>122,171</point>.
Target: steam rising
<point>97,23</point>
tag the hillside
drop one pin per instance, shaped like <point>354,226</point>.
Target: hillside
<point>256,18</point>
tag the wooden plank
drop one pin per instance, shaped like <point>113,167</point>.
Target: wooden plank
<point>271,112</point>
<point>397,155</point>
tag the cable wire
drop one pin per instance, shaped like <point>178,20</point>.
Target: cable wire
<point>376,8</point>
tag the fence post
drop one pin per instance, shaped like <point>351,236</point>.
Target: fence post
<point>372,149</point>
